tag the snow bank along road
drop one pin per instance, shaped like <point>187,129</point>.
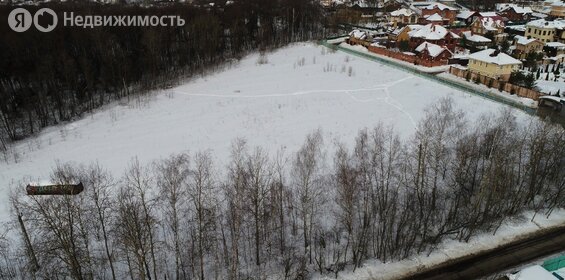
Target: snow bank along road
<point>274,104</point>
<point>543,243</point>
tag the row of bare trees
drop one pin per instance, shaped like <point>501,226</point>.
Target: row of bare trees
<point>288,215</point>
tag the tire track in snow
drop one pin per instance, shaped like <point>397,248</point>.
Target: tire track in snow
<point>388,99</point>
<point>296,93</point>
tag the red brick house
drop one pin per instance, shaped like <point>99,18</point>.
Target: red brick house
<point>432,52</point>
<point>435,34</point>
<point>446,12</point>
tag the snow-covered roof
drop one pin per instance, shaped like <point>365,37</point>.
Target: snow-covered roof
<point>552,98</point>
<point>434,17</point>
<point>489,56</point>
<point>488,14</point>
<point>542,23</point>
<point>475,37</point>
<point>415,26</point>
<point>491,24</point>
<point>431,32</point>
<point>519,10</point>
<point>522,40</point>
<point>433,49</point>
<point>358,34</point>
<point>557,45</point>
<point>402,12</point>
<point>465,14</point>
<point>439,6</point>
<point>517,27</point>
<point>539,15</point>
<point>535,272</point>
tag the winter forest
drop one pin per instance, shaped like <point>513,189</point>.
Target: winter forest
<point>322,209</point>
<point>49,78</point>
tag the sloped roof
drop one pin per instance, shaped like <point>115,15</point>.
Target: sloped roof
<point>439,6</point>
<point>542,23</point>
<point>518,9</point>
<point>434,17</point>
<point>521,40</point>
<point>488,14</point>
<point>557,45</point>
<point>489,56</point>
<point>465,14</point>
<point>432,49</point>
<point>475,37</point>
<point>402,12</point>
<point>431,32</point>
<point>358,34</point>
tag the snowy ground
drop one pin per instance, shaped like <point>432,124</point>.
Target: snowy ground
<point>450,249</point>
<point>299,89</point>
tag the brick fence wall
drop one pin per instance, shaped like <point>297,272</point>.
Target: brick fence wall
<point>494,83</point>
<point>413,59</point>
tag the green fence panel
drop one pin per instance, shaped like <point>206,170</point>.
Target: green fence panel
<point>554,264</point>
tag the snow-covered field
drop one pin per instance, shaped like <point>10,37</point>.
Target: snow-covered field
<point>301,88</point>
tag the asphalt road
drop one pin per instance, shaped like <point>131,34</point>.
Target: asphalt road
<point>498,259</point>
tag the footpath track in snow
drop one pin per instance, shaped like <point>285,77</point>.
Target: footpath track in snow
<point>544,243</point>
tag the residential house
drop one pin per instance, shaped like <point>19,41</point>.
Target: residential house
<point>557,10</point>
<point>484,25</point>
<point>403,16</point>
<point>447,12</point>
<point>553,49</point>
<point>466,17</point>
<point>402,34</point>
<point>435,34</point>
<point>435,19</point>
<point>545,31</point>
<point>475,40</point>
<point>524,45</point>
<point>432,52</point>
<point>516,13</point>
<point>493,63</point>
<point>359,37</point>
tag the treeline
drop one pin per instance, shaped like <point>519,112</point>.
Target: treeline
<point>46,78</point>
<point>288,216</point>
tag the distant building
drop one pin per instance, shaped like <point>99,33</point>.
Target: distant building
<point>524,45</point>
<point>475,40</point>
<point>447,12</point>
<point>493,64</point>
<point>403,16</point>
<point>432,52</point>
<point>516,13</point>
<point>435,19</point>
<point>435,34</point>
<point>553,49</point>
<point>545,31</point>
<point>557,10</point>
<point>467,17</point>
<point>400,35</point>
<point>484,25</point>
